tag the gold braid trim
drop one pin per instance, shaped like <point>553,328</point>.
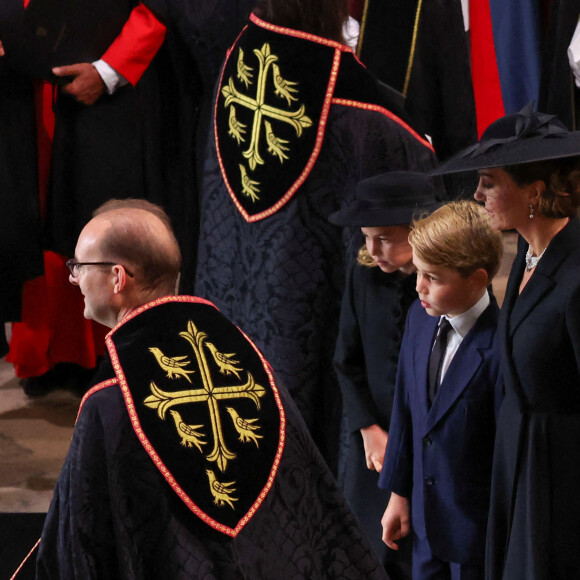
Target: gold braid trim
<point>413,46</point>
<point>363,24</point>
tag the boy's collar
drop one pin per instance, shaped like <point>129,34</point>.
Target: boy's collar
<point>462,323</point>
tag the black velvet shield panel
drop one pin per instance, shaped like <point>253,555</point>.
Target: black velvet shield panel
<point>115,516</point>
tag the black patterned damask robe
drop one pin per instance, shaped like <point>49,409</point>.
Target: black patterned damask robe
<point>267,255</point>
<point>189,461</point>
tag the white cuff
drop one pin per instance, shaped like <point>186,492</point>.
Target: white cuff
<point>350,32</point>
<point>574,55</point>
<point>112,79</point>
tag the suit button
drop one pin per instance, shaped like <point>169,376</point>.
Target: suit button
<point>429,481</point>
<point>427,441</point>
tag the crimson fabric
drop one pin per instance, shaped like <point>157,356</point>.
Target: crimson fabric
<point>137,44</point>
<point>53,329</point>
<point>505,66</point>
<point>486,85</point>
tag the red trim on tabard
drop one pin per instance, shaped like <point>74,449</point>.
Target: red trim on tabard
<point>164,300</point>
<point>339,48</point>
<point>151,451</point>
<point>299,34</point>
<point>485,76</point>
<point>387,113</point>
<point>25,559</point>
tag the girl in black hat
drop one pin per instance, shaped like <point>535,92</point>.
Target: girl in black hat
<point>529,180</point>
<point>380,288</point>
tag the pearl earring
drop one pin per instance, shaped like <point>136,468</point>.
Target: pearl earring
<point>531,211</point>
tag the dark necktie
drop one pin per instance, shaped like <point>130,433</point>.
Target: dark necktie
<point>436,358</point>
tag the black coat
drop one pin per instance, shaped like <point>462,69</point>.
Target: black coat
<point>372,320</point>
<point>20,253</point>
<point>424,56</point>
<point>534,519</point>
<point>558,93</point>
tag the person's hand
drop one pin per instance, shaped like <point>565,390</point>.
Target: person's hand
<point>375,442</point>
<point>86,85</point>
<point>2,52</point>
<point>395,520</point>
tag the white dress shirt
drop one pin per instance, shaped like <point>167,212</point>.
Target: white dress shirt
<point>112,79</point>
<point>461,325</point>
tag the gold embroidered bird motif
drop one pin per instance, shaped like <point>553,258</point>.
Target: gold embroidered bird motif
<point>221,491</point>
<point>249,186</point>
<point>283,88</point>
<point>174,367</point>
<point>276,146</point>
<point>225,362</point>
<point>244,71</point>
<point>189,433</point>
<point>237,129</point>
<point>244,427</point>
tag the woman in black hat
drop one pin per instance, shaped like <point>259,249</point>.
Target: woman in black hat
<point>529,180</point>
<point>380,288</point>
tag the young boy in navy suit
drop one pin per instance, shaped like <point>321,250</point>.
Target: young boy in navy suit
<point>438,460</point>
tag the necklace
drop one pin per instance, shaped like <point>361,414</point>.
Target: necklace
<point>532,261</point>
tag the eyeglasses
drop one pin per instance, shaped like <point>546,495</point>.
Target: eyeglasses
<point>75,267</point>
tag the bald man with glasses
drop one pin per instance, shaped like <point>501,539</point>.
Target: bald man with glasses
<point>188,459</point>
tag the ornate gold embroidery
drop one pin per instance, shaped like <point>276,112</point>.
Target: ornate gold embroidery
<point>283,89</point>
<point>193,435</point>
<point>221,491</point>
<point>173,366</point>
<point>244,72</point>
<point>249,186</point>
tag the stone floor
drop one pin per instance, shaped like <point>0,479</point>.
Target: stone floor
<point>35,432</point>
<point>34,438</point>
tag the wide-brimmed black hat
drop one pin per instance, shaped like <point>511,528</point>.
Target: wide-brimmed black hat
<point>515,139</point>
<point>388,199</point>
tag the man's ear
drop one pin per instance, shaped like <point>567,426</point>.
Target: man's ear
<point>120,278</point>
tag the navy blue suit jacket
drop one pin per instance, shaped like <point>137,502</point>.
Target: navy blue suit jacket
<point>441,457</point>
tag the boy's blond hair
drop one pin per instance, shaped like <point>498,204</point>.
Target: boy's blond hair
<point>458,236</point>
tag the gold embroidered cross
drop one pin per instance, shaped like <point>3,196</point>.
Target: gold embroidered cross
<point>262,111</point>
<point>210,394</point>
